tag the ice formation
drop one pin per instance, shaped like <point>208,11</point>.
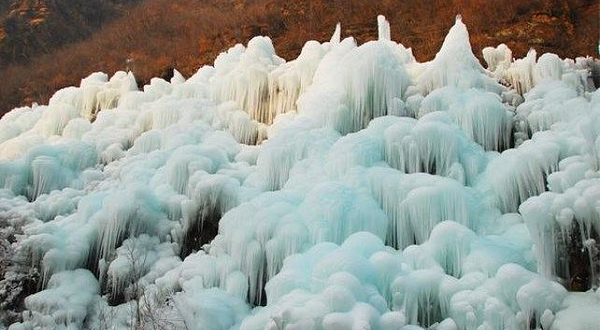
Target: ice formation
<point>350,188</point>
<point>433,145</point>
<point>455,65</point>
<point>66,302</point>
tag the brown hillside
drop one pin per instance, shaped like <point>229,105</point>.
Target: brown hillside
<point>32,27</point>
<point>185,34</point>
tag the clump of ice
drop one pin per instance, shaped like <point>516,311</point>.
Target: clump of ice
<point>433,145</point>
<point>480,114</point>
<point>353,85</point>
<point>579,311</point>
<point>561,222</point>
<point>65,303</point>
<point>242,74</point>
<point>455,65</point>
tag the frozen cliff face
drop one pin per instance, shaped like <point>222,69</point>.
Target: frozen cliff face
<point>351,188</point>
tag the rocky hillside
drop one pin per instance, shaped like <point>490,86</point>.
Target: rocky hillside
<point>154,36</point>
<point>29,28</point>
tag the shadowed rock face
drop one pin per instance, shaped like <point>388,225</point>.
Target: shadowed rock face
<point>580,262</point>
<point>73,35</point>
<point>17,278</point>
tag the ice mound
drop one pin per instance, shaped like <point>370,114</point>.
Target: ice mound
<point>526,73</point>
<point>433,145</point>
<point>580,311</point>
<point>480,114</point>
<point>65,304</point>
<point>242,75</point>
<point>350,188</point>
<point>96,93</point>
<point>290,80</point>
<point>356,283</point>
<point>353,85</point>
<point>331,287</point>
<point>455,65</point>
<point>565,226</point>
<point>47,168</point>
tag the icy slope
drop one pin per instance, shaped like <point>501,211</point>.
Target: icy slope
<point>351,188</point>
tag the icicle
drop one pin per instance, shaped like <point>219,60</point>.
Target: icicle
<point>288,81</point>
<point>417,296</point>
<point>130,213</point>
<point>357,85</point>
<point>520,73</point>
<point>213,196</point>
<point>281,153</point>
<point>548,67</point>
<point>433,146</point>
<point>329,285</point>
<point>43,171</point>
<point>565,227</point>
<point>242,75</point>
<point>55,119</point>
<point>518,174</point>
<point>416,203</point>
<point>134,259</point>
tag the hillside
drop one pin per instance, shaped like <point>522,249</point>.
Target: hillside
<point>29,28</point>
<point>158,35</point>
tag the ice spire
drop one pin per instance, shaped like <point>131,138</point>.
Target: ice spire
<point>383,28</point>
<point>177,78</point>
<point>457,41</point>
<point>455,64</point>
<point>337,34</point>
